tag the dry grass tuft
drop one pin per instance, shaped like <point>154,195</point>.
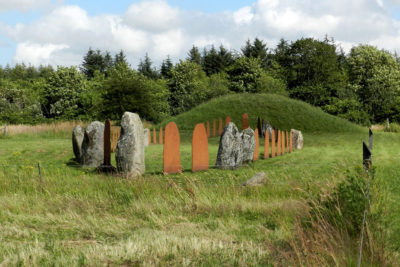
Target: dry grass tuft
<point>56,127</point>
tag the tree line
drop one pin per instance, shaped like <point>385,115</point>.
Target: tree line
<point>362,86</point>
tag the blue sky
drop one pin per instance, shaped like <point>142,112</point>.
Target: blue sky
<point>59,32</point>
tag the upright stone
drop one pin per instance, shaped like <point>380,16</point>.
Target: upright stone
<point>273,144</point>
<point>266,127</point>
<point>278,144</point>
<point>249,144</point>
<point>230,150</point>
<point>227,121</point>
<point>219,126</point>
<point>92,145</point>
<point>297,139</point>
<point>208,129</point>
<point>160,137</point>
<point>154,136</point>
<point>107,143</point>
<point>146,136</point>
<point>266,145</point>
<point>77,139</point>
<point>245,121</point>
<point>171,152</point>
<point>200,156</point>
<point>259,127</point>
<point>256,150</point>
<point>214,128</point>
<point>130,148</point>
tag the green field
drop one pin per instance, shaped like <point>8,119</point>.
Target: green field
<point>78,217</point>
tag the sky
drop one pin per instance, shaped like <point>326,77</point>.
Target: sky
<point>60,32</point>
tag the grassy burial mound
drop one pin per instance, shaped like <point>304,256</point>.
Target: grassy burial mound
<point>282,112</point>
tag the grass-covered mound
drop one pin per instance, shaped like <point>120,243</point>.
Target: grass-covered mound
<point>282,112</point>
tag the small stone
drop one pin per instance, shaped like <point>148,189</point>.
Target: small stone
<point>266,127</point>
<point>297,139</point>
<point>130,148</point>
<point>93,145</point>
<point>77,139</point>
<point>230,151</point>
<point>249,144</point>
<point>257,180</point>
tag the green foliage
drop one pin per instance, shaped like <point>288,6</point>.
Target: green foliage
<point>244,75</point>
<point>391,127</point>
<point>146,69</point>
<point>267,84</point>
<point>345,206</point>
<point>375,75</point>
<point>95,61</point>
<point>62,94</point>
<point>214,61</point>
<point>257,49</point>
<point>349,109</point>
<point>127,90</point>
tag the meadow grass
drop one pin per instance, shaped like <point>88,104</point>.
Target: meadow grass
<point>77,217</point>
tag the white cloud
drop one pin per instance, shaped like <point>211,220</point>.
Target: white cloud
<point>37,54</point>
<point>22,5</point>
<point>63,35</point>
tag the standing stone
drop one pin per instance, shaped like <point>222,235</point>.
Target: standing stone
<point>92,145</point>
<point>266,127</point>
<point>130,148</point>
<point>230,151</point>
<point>245,121</point>
<point>297,139</point>
<point>227,120</point>
<point>171,151</point>
<point>200,156</point>
<point>256,150</point>
<point>77,139</point>
<point>146,136</point>
<point>249,144</point>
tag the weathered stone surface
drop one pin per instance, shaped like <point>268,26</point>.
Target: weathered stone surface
<point>297,139</point>
<point>249,144</point>
<point>200,156</point>
<point>256,149</point>
<point>130,148</point>
<point>77,139</point>
<point>171,152</point>
<point>266,127</point>
<point>257,180</point>
<point>92,145</point>
<point>230,151</point>
<point>146,136</point>
<point>245,121</point>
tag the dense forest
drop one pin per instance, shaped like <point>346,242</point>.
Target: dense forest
<point>362,86</point>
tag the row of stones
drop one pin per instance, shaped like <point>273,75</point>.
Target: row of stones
<point>234,150</point>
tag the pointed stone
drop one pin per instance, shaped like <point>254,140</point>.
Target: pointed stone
<point>92,145</point>
<point>256,150</point>
<point>230,151</point>
<point>297,139</point>
<point>249,144</point>
<point>146,136</point>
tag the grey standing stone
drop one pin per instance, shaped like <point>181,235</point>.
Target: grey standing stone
<point>297,139</point>
<point>93,145</point>
<point>249,144</point>
<point>146,136</point>
<point>257,180</point>
<point>266,127</point>
<point>77,139</point>
<point>230,151</point>
<point>130,148</point>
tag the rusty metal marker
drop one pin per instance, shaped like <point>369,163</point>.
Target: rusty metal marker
<point>266,145</point>
<point>287,142</point>
<point>245,121</point>
<point>279,146</point>
<point>208,129</point>
<point>272,144</point>
<point>228,120</point>
<point>160,137</point>
<point>171,153</point>
<point>154,136</point>
<point>214,128</point>
<point>200,157</point>
<point>219,126</point>
<point>150,142</point>
<point>107,143</point>
<point>256,149</point>
<point>283,142</point>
